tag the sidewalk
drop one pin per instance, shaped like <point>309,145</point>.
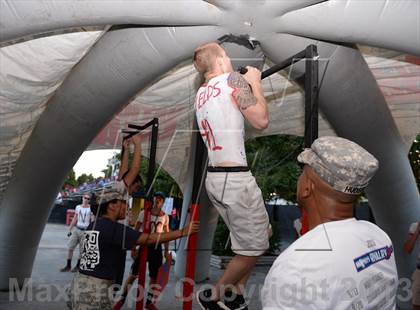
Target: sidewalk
<point>48,284</point>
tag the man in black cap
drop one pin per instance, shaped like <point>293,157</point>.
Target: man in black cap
<point>104,239</point>
<point>341,263</point>
<point>159,223</point>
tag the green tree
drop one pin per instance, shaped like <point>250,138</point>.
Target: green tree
<point>84,178</point>
<point>71,179</point>
<point>107,171</point>
<point>273,162</point>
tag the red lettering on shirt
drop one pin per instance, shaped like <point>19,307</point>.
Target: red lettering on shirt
<point>208,136</point>
<point>210,91</point>
<point>218,89</point>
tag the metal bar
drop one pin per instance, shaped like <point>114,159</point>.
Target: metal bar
<point>284,64</point>
<point>130,135</point>
<point>191,259</point>
<point>200,159</point>
<point>139,127</point>
<point>311,95</point>
<point>147,211</point>
<point>152,157</point>
<point>143,258</point>
<point>199,168</point>
<point>130,131</point>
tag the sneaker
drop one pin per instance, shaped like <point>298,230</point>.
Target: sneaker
<point>234,302</point>
<point>203,298</point>
<point>65,269</point>
<point>150,307</point>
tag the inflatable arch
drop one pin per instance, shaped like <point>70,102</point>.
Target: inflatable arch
<point>66,72</point>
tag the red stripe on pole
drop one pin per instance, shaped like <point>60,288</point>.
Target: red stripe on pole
<point>143,258</point>
<point>190,266</point>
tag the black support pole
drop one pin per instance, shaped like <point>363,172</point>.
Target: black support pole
<point>200,158</point>
<point>152,156</point>
<point>199,172</point>
<point>311,95</point>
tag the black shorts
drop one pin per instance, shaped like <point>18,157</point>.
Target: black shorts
<point>154,260</point>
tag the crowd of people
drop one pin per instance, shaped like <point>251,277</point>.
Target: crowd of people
<point>97,184</point>
<point>104,235</point>
<point>338,263</point>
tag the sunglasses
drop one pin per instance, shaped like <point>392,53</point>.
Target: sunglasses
<point>87,198</point>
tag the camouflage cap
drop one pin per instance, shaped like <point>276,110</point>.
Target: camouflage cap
<point>343,164</point>
<point>108,195</point>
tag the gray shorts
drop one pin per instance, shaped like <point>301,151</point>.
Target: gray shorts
<point>88,293</point>
<point>239,201</point>
<point>76,238</point>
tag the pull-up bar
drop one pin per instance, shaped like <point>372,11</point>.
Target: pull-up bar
<point>278,67</point>
<point>138,128</point>
<point>148,204</point>
<point>147,125</point>
<point>310,55</point>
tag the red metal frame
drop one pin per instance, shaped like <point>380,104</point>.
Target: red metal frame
<point>190,266</point>
<point>143,258</point>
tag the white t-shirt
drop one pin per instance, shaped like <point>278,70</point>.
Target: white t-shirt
<point>220,122</point>
<point>157,223</point>
<point>83,216</point>
<point>346,264</point>
<point>412,230</point>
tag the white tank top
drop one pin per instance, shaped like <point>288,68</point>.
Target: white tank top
<point>220,122</point>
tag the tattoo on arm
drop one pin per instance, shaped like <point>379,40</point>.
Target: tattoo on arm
<point>243,94</point>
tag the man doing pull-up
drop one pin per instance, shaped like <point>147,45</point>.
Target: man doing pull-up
<point>222,104</point>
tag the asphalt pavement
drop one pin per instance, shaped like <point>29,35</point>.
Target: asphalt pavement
<point>46,289</point>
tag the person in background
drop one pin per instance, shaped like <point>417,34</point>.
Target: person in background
<point>81,220</point>
<point>128,181</point>
<point>159,223</point>
<point>102,247</point>
<point>409,245</point>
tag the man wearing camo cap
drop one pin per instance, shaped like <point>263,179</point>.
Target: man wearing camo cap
<point>90,288</point>
<point>341,263</point>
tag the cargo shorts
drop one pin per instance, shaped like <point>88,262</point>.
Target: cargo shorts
<point>89,293</point>
<point>76,238</point>
<point>239,201</point>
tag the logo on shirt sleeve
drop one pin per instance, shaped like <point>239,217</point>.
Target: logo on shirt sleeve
<point>90,255</point>
<point>373,257</point>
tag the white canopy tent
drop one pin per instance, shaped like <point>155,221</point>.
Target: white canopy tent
<point>32,70</point>
<point>60,90</point>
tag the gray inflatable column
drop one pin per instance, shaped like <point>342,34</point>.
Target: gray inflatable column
<point>354,105</point>
<point>120,64</point>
